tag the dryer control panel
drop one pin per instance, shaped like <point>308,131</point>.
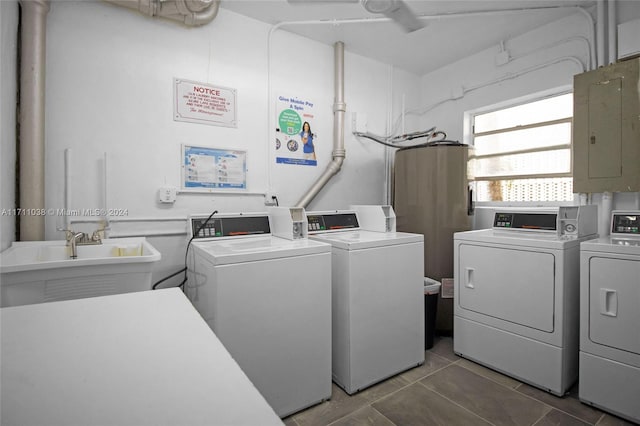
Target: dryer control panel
<point>332,221</point>
<point>565,222</point>
<point>625,223</point>
<point>203,227</point>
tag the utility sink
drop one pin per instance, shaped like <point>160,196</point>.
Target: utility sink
<point>43,271</point>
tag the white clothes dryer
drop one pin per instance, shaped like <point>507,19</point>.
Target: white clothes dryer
<point>610,318</point>
<point>268,300</point>
<point>377,299</point>
<point>516,294</point>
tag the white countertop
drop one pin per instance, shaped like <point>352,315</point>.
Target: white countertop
<point>144,358</point>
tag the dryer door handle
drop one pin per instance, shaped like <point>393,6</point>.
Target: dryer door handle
<point>469,278</point>
<point>608,302</point>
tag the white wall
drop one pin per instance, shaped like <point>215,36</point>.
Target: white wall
<point>544,60</point>
<point>109,89</point>
<point>8,75</point>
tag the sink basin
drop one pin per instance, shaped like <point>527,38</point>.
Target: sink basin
<point>43,271</point>
<point>33,255</point>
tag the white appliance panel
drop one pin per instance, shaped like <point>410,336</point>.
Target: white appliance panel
<point>384,312</point>
<point>377,305</point>
<point>610,315</point>
<point>274,318</point>
<point>530,307</point>
<point>489,276</point>
<point>610,385</point>
<point>614,303</point>
<point>528,360</point>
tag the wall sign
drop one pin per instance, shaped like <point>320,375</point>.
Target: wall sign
<point>202,103</point>
<point>295,139</point>
<point>208,168</point>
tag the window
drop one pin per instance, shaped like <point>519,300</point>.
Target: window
<point>523,152</point>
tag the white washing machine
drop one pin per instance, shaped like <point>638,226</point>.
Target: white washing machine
<point>610,318</point>
<point>268,300</point>
<point>516,293</point>
<point>377,299</point>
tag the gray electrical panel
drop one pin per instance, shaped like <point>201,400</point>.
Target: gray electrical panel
<point>606,129</point>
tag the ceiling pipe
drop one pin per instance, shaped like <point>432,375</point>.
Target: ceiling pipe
<point>31,118</point>
<point>612,29</point>
<point>189,12</point>
<point>339,108</point>
<point>601,8</point>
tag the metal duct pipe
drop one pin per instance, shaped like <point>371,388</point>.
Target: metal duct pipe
<point>600,34</point>
<point>32,89</point>
<point>189,12</point>
<point>612,28</point>
<point>339,108</point>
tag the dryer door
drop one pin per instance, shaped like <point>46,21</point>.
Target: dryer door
<point>614,303</point>
<point>509,284</point>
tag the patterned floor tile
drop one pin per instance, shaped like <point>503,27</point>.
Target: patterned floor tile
<point>432,363</point>
<point>611,420</point>
<point>491,401</point>
<point>569,404</point>
<point>489,373</point>
<point>558,418</point>
<point>337,407</point>
<point>417,405</point>
<point>382,389</point>
<point>367,416</point>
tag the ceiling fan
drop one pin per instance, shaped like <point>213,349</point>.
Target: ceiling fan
<point>397,10</point>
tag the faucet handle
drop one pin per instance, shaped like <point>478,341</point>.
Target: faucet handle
<point>96,236</point>
<point>67,232</point>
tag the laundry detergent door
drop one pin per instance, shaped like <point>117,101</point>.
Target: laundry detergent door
<point>614,303</point>
<point>504,286</point>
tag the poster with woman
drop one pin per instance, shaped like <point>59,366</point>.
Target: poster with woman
<point>295,142</point>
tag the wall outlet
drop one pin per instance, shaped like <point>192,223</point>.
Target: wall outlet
<point>270,199</point>
<point>167,194</point>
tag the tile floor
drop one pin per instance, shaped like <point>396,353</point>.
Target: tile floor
<point>449,390</point>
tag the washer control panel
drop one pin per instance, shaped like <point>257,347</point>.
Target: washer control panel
<point>332,221</point>
<point>227,226</point>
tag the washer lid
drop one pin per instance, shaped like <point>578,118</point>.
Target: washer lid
<point>357,240</point>
<point>256,248</point>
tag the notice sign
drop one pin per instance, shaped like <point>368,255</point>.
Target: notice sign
<point>213,168</point>
<point>202,103</point>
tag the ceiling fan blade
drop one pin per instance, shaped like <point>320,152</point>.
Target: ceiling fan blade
<point>405,17</point>
<point>396,10</point>
<point>321,1</point>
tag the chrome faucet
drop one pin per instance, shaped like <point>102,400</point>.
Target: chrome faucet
<point>75,239</point>
<point>73,242</point>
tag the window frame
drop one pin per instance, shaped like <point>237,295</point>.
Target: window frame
<point>469,135</point>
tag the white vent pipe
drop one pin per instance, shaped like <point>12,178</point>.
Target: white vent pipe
<point>339,108</point>
<point>189,12</point>
<point>31,119</point>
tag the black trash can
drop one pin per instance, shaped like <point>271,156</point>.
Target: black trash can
<point>431,292</point>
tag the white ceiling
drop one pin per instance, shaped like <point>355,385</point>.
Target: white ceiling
<point>454,30</point>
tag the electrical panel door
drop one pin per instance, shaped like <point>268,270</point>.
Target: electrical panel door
<point>606,129</point>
